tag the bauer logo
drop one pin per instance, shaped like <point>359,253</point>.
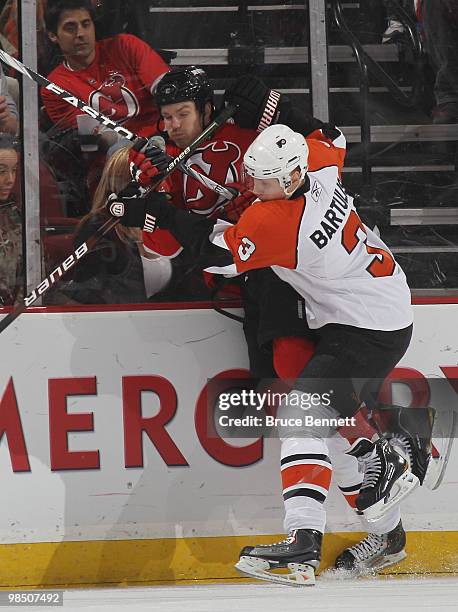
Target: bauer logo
<point>56,274</point>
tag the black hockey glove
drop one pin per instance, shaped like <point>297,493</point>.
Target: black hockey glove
<point>258,105</point>
<point>147,213</point>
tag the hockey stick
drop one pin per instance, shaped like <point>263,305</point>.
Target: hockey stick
<point>6,58</point>
<point>46,284</point>
<point>228,192</point>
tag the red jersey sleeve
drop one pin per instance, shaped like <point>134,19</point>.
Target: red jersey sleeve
<point>161,242</point>
<point>148,65</point>
<point>266,235</point>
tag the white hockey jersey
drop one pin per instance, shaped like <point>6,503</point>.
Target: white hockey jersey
<point>317,243</point>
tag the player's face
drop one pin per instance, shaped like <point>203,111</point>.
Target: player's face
<point>267,189</point>
<point>182,122</point>
<point>8,169</point>
<point>76,37</point>
<point>271,189</point>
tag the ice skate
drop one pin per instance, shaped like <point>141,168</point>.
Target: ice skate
<point>412,435</point>
<point>387,478</point>
<point>373,553</point>
<point>300,553</point>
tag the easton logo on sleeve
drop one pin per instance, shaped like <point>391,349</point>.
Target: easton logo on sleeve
<point>331,219</point>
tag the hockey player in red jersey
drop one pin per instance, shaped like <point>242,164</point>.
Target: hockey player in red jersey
<point>358,303</point>
<point>116,76</point>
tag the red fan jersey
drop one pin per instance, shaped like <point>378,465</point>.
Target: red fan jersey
<point>117,84</point>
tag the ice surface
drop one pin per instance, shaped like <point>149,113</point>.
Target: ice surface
<point>382,594</point>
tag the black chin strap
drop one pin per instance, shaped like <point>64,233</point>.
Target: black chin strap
<point>303,189</point>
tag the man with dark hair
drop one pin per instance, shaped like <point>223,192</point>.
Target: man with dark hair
<point>116,76</point>
<point>54,9</point>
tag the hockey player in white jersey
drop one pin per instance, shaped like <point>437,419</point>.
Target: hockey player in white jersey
<point>305,227</point>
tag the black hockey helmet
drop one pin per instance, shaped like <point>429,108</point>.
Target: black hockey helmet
<point>183,84</point>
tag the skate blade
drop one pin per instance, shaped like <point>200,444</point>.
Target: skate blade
<point>388,560</point>
<point>443,440</point>
<point>300,574</point>
<point>403,486</point>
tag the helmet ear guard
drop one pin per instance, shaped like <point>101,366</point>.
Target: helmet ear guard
<point>276,153</point>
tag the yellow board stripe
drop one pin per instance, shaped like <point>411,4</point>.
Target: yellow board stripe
<point>172,561</point>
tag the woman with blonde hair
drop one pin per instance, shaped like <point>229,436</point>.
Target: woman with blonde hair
<point>118,270</point>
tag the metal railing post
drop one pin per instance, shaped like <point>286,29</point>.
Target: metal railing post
<point>29,117</point>
<point>319,59</point>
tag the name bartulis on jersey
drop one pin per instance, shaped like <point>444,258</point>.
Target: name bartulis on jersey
<point>332,218</point>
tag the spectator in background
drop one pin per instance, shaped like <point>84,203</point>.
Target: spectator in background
<point>8,110</point>
<point>440,27</point>
<point>117,271</point>
<point>395,28</point>
<point>9,31</point>
<point>11,264</point>
<point>116,76</point>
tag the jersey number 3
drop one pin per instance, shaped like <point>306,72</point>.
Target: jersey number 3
<point>383,263</point>
<point>246,249</point>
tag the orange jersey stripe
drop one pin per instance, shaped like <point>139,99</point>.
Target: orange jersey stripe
<point>306,473</point>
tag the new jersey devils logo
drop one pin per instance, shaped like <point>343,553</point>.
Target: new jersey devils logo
<point>114,100</point>
<point>219,161</point>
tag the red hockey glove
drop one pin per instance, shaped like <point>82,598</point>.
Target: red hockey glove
<point>234,208</point>
<point>147,161</point>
